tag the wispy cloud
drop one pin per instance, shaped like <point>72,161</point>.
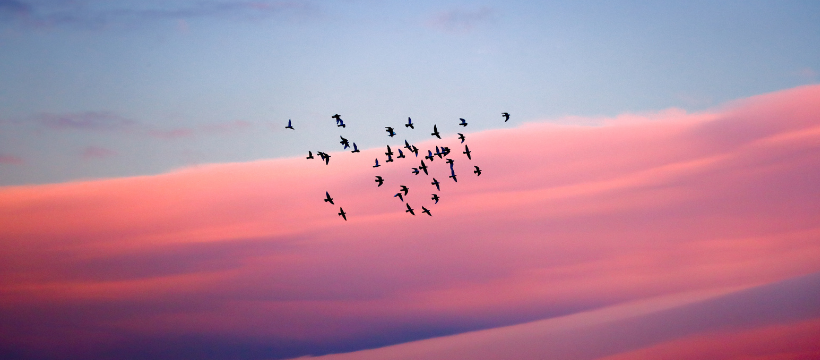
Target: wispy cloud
<point>11,159</point>
<point>96,121</point>
<point>462,20</point>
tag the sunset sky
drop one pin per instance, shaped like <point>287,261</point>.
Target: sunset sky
<point>655,194</point>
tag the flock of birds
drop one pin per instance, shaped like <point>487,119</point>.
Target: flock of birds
<point>441,153</point>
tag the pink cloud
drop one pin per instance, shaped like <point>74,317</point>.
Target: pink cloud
<point>11,159</point>
<point>563,219</point>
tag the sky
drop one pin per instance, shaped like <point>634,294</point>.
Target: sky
<point>653,195</point>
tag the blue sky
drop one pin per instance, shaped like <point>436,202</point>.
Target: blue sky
<point>93,89</point>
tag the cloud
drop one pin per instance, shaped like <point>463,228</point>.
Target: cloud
<point>246,260</point>
<point>98,121</point>
<point>96,152</point>
<point>462,20</point>
<point>11,159</point>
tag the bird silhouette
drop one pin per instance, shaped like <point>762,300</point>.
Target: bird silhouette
<point>405,189</point>
<point>355,148</point>
<point>409,209</point>
<point>467,151</point>
<point>435,132</point>
<point>344,142</point>
<point>506,116</point>
<point>461,137</point>
<point>409,124</point>
<point>477,171</point>
<point>390,131</point>
<point>436,183</point>
<point>328,198</point>
<point>399,195</point>
<point>423,167</point>
<point>424,210</point>
<point>310,155</point>
<point>342,213</point>
<point>435,197</point>
<point>415,171</point>
<point>289,125</point>
<point>463,122</point>
<point>377,163</point>
<point>401,154</point>
<point>429,156</point>
<point>379,180</point>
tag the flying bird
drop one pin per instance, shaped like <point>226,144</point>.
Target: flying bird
<point>389,152</point>
<point>467,151</point>
<point>399,195</point>
<point>405,189</point>
<point>424,210</point>
<point>477,171</point>
<point>310,155</point>
<point>355,148</point>
<point>453,173</point>
<point>342,214</point>
<point>453,177</point>
<point>436,183</point>
<point>390,131</point>
<point>401,154</point>
<point>461,137</point>
<point>463,122</point>
<point>324,157</point>
<point>328,198</point>
<point>445,150</point>
<point>379,180</point>
<point>389,159</point>
<point>377,163</point>
<point>435,197</point>
<point>435,132</point>
<point>450,161</point>
<point>415,171</point>
<point>344,142</point>
<point>339,122</point>
<point>438,152</point>
<point>506,116</point>
<point>289,125</point>
<point>429,156</point>
<point>409,209</point>
<point>416,150</point>
<point>409,124</point>
<point>423,167</point>
<point>407,145</point>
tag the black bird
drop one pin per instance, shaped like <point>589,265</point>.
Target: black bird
<point>416,150</point>
<point>328,198</point>
<point>289,125</point>
<point>410,210</point>
<point>389,152</point>
<point>463,122</point>
<point>416,171</point>
<point>453,177</point>
<point>429,156</point>
<point>327,159</point>
<point>342,214</point>
<point>379,180</point>
<point>389,159</point>
<point>377,163</point>
<point>445,150</point>
<point>467,151</point>
<point>435,132</point>
<point>435,197</point>
<point>438,152</point>
<point>390,131</point>
<point>409,124</point>
<point>436,183</point>
<point>344,142</point>
<point>341,124</point>
<point>450,161</point>
<point>399,195</point>
<point>424,210</point>
<point>401,154</point>
<point>461,137</point>
<point>405,189</point>
<point>355,148</point>
<point>310,155</point>
<point>423,167</point>
<point>407,145</point>
<point>477,171</point>
<point>506,116</point>
<point>339,121</point>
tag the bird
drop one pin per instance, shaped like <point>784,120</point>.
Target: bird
<point>310,155</point>
<point>407,145</point>
<point>390,131</point>
<point>445,150</point>
<point>377,163</point>
<point>438,152</point>
<point>453,177</point>
<point>435,132</point>
<point>429,156</point>
<point>327,159</point>
<point>289,125</point>
<point>416,171</point>
<point>355,148</point>
<point>423,167</point>
<point>389,159</point>
<point>461,137</point>
<point>399,195</point>
<point>451,161</point>
<point>339,122</point>
<point>344,142</point>
<point>328,198</point>
<point>436,183</point>
<point>409,209</point>
<point>324,157</point>
<point>463,122</point>
<point>453,173</point>
<point>389,152</point>
<point>416,150</point>
<point>409,123</point>
<point>405,189</point>
<point>506,116</point>
<point>401,154</point>
<point>477,171</point>
<point>467,151</point>
<point>424,210</point>
<point>379,180</point>
<point>342,213</point>
<point>435,197</point>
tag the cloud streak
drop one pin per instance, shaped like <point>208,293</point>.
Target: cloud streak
<point>245,260</point>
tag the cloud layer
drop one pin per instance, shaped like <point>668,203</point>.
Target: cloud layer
<point>246,260</point>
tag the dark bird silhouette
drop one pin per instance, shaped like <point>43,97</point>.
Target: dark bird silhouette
<point>344,142</point>
<point>429,156</point>
<point>407,145</point>
<point>389,152</point>
<point>342,214</point>
<point>424,210</point>
<point>453,173</point>
<point>379,180</point>
<point>435,197</point>
<point>401,154</point>
<point>410,210</point>
<point>324,157</point>
<point>355,148</point>
<point>339,121</point>
<point>477,171</point>
<point>506,116</point>
<point>463,122</point>
<point>436,183</point>
<point>310,155</point>
<point>438,152</point>
<point>423,167</point>
<point>405,189</point>
<point>409,124</point>
<point>445,150</point>
<point>389,159</point>
<point>450,161</point>
<point>435,132</point>
<point>453,177</point>
<point>399,195</point>
<point>416,150</point>
<point>328,198</point>
<point>341,124</point>
<point>467,151</point>
<point>461,137</point>
<point>415,171</point>
<point>327,159</point>
<point>289,125</point>
<point>377,163</point>
<point>390,131</point>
